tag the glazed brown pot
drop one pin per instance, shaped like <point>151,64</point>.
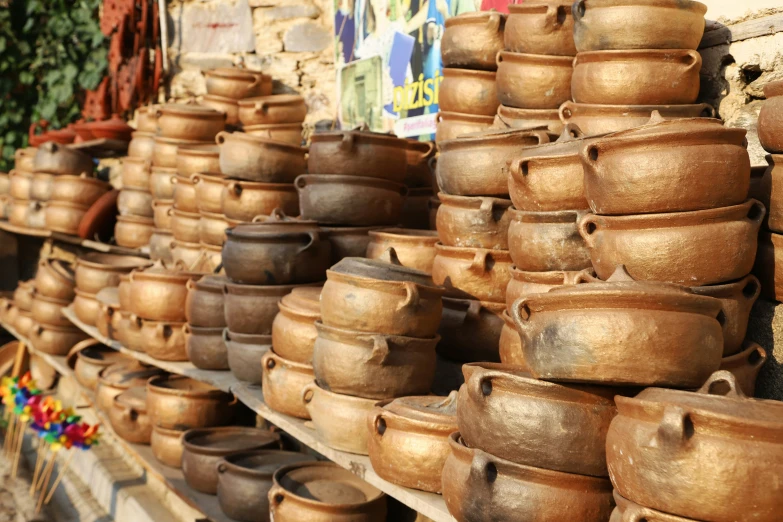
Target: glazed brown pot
<point>136,173</point>
<point>468,91</point>
<point>419,154</point>
<point>347,241</point>
<point>177,402</point>
<point>128,416</point>
<point>524,283</point>
<point>164,151</point>
<point>142,145</point>
<point>636,77</point>
<point>244,481</point>
<point>193,159</point>
<point>533,81</point>
<point>54,158</point>
<point>55,279</point>
<point>244,200</point>
<point>161,184</point>
<point>478,486</point>
<point>167,446</point>
<point>540,27</point>
<point>478,165</point>
<point>23,295</point>
<point>161,213</point>
<point>412,248</point>
<point>595,119</point>
<point>86,307</point>
<point>78,190</point>
<point>277,108</point>
<point>52,340</point>
<point>258,159</point>
<point>477,272</point>
<point>19,183</point>
<point>293,328</point>
<point>376,297</point>
<point>189,122</point>
<point>203,449</point>
<point>673,437</point>
<point>159,294</point>
<point>339,420</point>
<point>132,202</point>
<point>133,231</point>
<point>471,40</point>
<point>373,366</point>
<point>205,347</point>
<point>358,153</point>
<point>323,492</point>
<point>546,241</point>
<point>454,124</point>
<point>244,353</point>
<point>285,132</point>
<point>48,310</point>
<point>651,246</point>
<point>41,186</point>
<point>745,365</point>
<point>204,304</point>
<point>160,245</point>
<point>661,24</point>
<point>120,377</point>
<point>250,309</point>
<point>212,229</point>
<point>737,299</point>
<point>95,271</point>
<point>470,330</point>
<point>516,118</point>
<point>684,178</point>
<point>510,344</point>
<point>208,191</point>
<point>770,123</point>
<point>408,441</point>
<point>184,225</point>
<point>229,106</point>
<point>283,383</point>
<point>668,324</point>
<point>237,83</point>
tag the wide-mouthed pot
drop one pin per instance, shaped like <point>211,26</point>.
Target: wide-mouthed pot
<point>133,231</point>
<point>652,246</point>
<point>661,448</point>
<point>24,323</point>
<point>203,450</point>
<point>377,297</point>
<point>236,83</point>
<point>142,144</point>
<point>339,420</point>
<point>595,119</point>
<point>159,294</point>
<point>524,283</point>
<point>250,309</point>
<point>36,214</point>
<point>177,402</point>
<point>23,295</point>
<point>636,77</point>
<point>323,492</point>
<point>189,122</point>
<point>48,310</point>
<point>164,150</point>
<point>194,159</point>
<point>134,202</point>
<point>470,330</point>
<point>244,481</point>
<point>244,200</point>
<point>676,334</point>
<point>24,158</point>
<point>770,124</point>
<point>55,278</point>
<point>478,486</point>
<point>228,106</point>
<point>667,166</point>
<point>276,108</point>
<point>454,124</point>
<point>135,173</point>
<point>212,229</point>
<point>50,339</point>
<point>19,183</point>
<point>91,358</point>
<point>540,27</point>
<point>737,299</point>
<point>358,153</point>
<point>745,365</point>
<point>516,118</point>
<point>160,245</point>
<point>208,191</point>
<point>161,340</point>
<point>658,24</point>
<point>161,182</point>
<point>65,217</point>
<point>293,328</point>
<point>627,511</point>
<point>41,186</point>
<point>408,442</point>
<point>184,225</point>
<point>285,132</point>
<point>205,347</point>
<point>375,366</point>
<point>161,213</point>
<point>120,377</point>
<point>479,273</point>
<point>186,256</point>
<point>184,195</point>
<point>18,212</point>
<point>204,305</point>
<point>128,416</point>
<point>86,307</point>
<point>412,248</point>
<point>471,40</point>
<point>509,414</point>
<point>167,446</point>
<point>283,383</point>
<point>95,271</point>
<point>54,158</point>
<point>478,165</point>
<point>276,253</point>
<point>334,199</point>
<point>533,81</point>
<point>510,344</point>
<point>244,354</point>
<point>546,241</point>
<point>467,91</point>
<point>419,154</point>
<point>79,190</point>
<point>347,241</point>
<point>253,158</point>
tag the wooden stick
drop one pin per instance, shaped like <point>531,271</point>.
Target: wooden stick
<point>49,462</point>
<point>38,464</point>
<point>19,444</point>
<point>60,475</point>
<point>18,360</point>
<point>47,476</point>
<point>10,433</point>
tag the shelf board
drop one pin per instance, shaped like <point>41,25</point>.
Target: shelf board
<point>72,240</point>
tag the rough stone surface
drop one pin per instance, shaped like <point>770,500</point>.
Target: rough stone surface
<point>215,26</point>
<point>187,84</point>
<point>766,328</point>
<point>287,12</point>
<point>203,61</point>
<point>307,37</point>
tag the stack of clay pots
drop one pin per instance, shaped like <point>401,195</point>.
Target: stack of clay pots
<point>227,86</point>
<point>20,180</point>
<point>421,185</point>
<point>466,96</point>
<point>121,395</point>
<point>633,59</point>
<point>17,311</point>
<point>205,315</point>
<point>410,247</point>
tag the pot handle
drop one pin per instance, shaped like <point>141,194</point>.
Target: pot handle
<point>756,212</point>
<point>578,10</point>
<point>520,313</point>
<point>518,169</point>
<point>390,256</point>
<point>135,322</point>
<point>554,16</point>
<point>308,392</point>
<point>725,378</point>
<point>221,468</point>
<point>479,388</point>
<point>693,61</point>
<point>276,496</point>
<point>163,330</point>
<point>128,414</point>
<point>347,142</point>
<point>759,352</point>
<point>493,23</point>
<point>486,207</point>
<point>380,350</point>
<point>583,276</point>
<point>190,285</point>
<point>255,83</point>
<point>482,469</point>
<point>479,263</point>
<point>234,189</point>
<point>376,428</point>
<point>588,226</point>
<point>675,426</point>
<point>314,238</point>
<point>637,513</point>
<point>195,178</point>
<point>566,111</point>
<point>169,211</point>
<point>261,107</point>
<point>412,296</point>
<point>751,289</point>
<point>498,58</point>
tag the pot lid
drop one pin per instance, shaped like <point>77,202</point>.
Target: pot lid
<point>266,462</point>
<point>306,299</point>
<point>134,397</point>
<point>380,270</point>
<point>229,439</point>
<point>126,374</point>
<point>108,296</point>
<point>428,408</point>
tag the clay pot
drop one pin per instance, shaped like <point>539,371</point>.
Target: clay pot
<point>358,153</point>
<point>95,271</point>
<point>277,108</point>
<point>244,200</point>
<point>258,159</point>
<point>244,481</point>
<point>194,159</point>
<point>177,402</point>
<point>41,186</point>
<point>86,307</point>
<point>160,339</point>
<point>769,123</point>
<point>24,324</point>
<point>18,212</point>
<point>5,206</point>
<point>419,154</point>
<point>768,260</point>
<point>347,241</point>
<point>651,246</point>
<point>673,437</point>
<point>516,118</point>
<point>145,119</point>
<point>135,173</point>
<point>471,40</point>
<point>160,245</point>
<point>36,215</point>
<point>205,347</point>
<point>283,383</point>
<point>184,194</point>
<point>737,299</point>
<point>19,183</point>
<point>161,182</point>
<point>167,446</point>
<point>412,248</point>
<point>142,144</point>
<point>546,241</point>
<point>159,294</point>
<point>540,27</point>
<point>54,158</point>
<point>186,256</point>
<point>479,486</point>
<point>470,330</point>
<point>250,309</point>
<point>745,366</point>
<point>636,77</point>
<point>91,358</point>
<point>293,328</point>
<point>184,225</point>
<point>24,159</point>
<point>454,124</point>
<point>212,229</point>
<point>164,151</point>
<point>204,304</point>
<point>477,272</point>
<point>212,259</point>
<point>662,24</point>
<point>78,190</point>
<point>676,334</point>
<point>468,91</point>
<point>339,420</point>
<point>510,344</point>
<point>132,202</point>
<point>204,449</point>
<point>161,213</point>
<point>23,295</point>
<point>323,492</point>
<point>285,132</point>
<point>601,119</point>
<point>765,186</point>
<point>47,310</point>
<point>408,442</point>
<point>477,165</point>
<point>189,122</point>
<point>533,81</point>
<point>415,212</point>
<point>133,231</point>
<point>55,279</point>
<point>228,106</point>
<point>524,283</point>
<point>627,511</point>
<point>107,321</point>
<point>237,84</point>
<point>244,353</point>
<point>128,416</point>
<point>208,191</point>
<point>120,377</point>
<point>49,339</point>
<point>373,366</point>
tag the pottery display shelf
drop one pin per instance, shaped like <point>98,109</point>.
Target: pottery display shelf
<point>428,504</point>
<point>58,362</point>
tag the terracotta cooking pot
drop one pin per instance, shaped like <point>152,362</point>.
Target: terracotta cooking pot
<point>412,248</point>
<point>283,382</point>
<point>469,92</point>
<point>250,309</point>
<point>161,213</point>
<point>189,122</point>
<point>128,416</point>
<point>347,241</point>
<point>50,339</point>
<point>205,347</point>
<point>510,344</point>
<point>516,118</point>
<point>161,340</point>
<point>524,283</point>
<point>277,108</point>
<point>185,225</point>
<point>627,511</point>
<point>159,294</point>
<point>86,307</point>
<point>340,420</point>
<point>133,231</point>
<point>209,191</point>
<point>769,122</point>
<point>19,183</point>
<point>187,256</point>
<point>164,152</point>
<point>55,279</point>
<point>212,229</point>
<point>160,245</point>
<point>765,183</point>
<point>18,212</point>
<point>177,402</point>
<point>120,377</point>
<point>244,354</point>
<point>476,272</point>
<point>737,299</point>
<point>36,214</point>
<point>167,446</point>
<point>184,194</point>
<point>540,27</point>
<point>229,106</point>
<point>78,190</point>
<point>54,158</point>
<point>470,330</point>
<point>745,366</point>
<point>132,202</point>
<point>237,83</point>
<point>95,271</point>
<point>546,241</point>
<point>193,159</point>
<point>285,132</point>
<point>142,144</point>
<point>479,222</point>
<point>24,325</point>
<point>293,328</point>
<point>533,81</point>
<point>48,310</point>
<point>91,358</point>
<point>161,182</point>
<point>244,200</point>
<point>41,186</point>
<point>453,124</point>
<point>136,173</point>
<point>23,295</point>
<point>358,153</point>
<point>471,40</point>
<point>204,304</point>
<point>24,158</point>
<point>258,159</point>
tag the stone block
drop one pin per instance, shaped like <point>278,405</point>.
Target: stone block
<point>307,37</point>
<point>766,328</point>
<point>286,12</point>
<point>215,26</point>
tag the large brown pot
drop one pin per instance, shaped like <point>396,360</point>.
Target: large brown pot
<point>293,328</point>
<point>212,229</point>
<point>277,108</point>
<point>454,124</point>
<point>244,200</point>
<point>95,271</point>
<point>283,383</point>
<point>54,158</point>
<point>177,402</point>
<point>209,191</point>
<point>91,358</point>
<point>235,83</point>
<point>745,366</point>
<point>737,299</point>
<point>244,354</point>
<point>476,272</point>
<point>340,420</point>
<point>128,416</point>
<point>55,279</point>
<point>120,377</point>
<point>770,124</point>
<point>159,294</point>
<point>524,283</point>
<point>86,307</point>
<point>205,347</point>
<point>546,241</point>
<point>471,40</point>
<point>184,194</point>
<point>412,248</point>
<point>162,213</point>
<point>258,159</point>
<point>78,190</point>
<point>53,340</point>
<point>470,330</point>
<point>516,118</point>
<point>229,106</point>
<point>204,305</point>
<point>189,122</point>
<point>540,27</point>
<point>133,231</point>
<point>161,340</point>
<point>185,225</point>
<point>533,81</point>
<point>468,91</point>
<point>479,222</point>
<point>358,153</point>
<point>194,159</point>
<point>135,173</point>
